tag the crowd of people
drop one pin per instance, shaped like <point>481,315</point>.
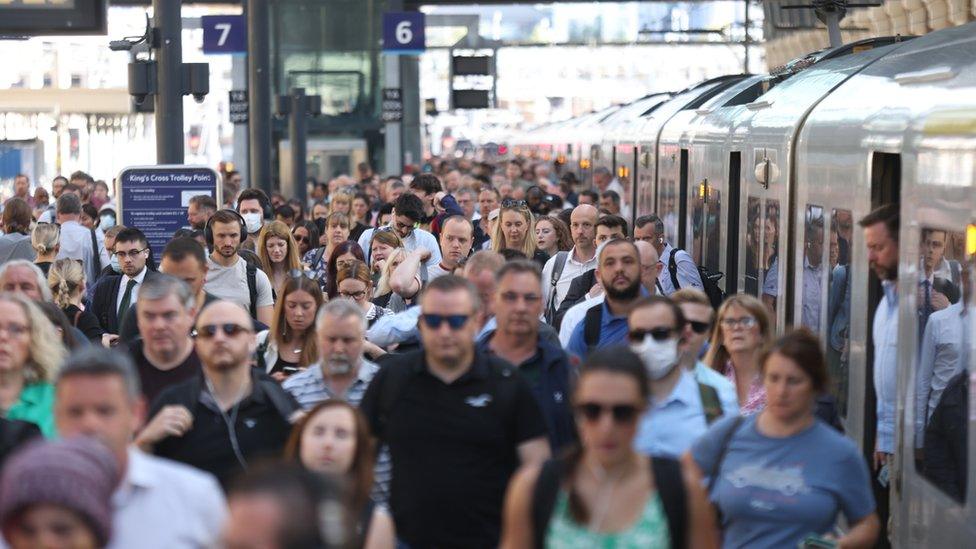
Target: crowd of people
<point>471,355</point>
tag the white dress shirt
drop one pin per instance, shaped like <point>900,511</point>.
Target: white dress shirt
<point>574,316</point>
<point>135,289</point>
<point>940,359</point>
<point>571,270</point>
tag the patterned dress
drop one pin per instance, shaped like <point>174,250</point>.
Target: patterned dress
<point>756,399</point>
<point>649,532</point>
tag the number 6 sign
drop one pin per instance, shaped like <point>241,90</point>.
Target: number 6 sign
<point>403,32</point>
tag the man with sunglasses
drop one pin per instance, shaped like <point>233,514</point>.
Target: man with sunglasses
<point>681,409</point>
<point>699,316</point>
<point>517,303</point>
<point>457,423</point>
<point>231,416</point>
<point>114,296</point>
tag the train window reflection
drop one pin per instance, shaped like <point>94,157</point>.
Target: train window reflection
<point>753,245</point>
<point>713,222</point>
<point>941,400</point>
<point>839,305</point>
<point>813,267</point>
<point>770,256</point>
<point>697,222</point>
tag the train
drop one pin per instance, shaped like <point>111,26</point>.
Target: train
<point>762,178</point>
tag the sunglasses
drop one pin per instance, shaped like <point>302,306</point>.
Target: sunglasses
<point>622,413</point>
<point>298,273</point>
<point>699,327</point>
<point>659,334</point>
<point>512,203</point>
<point>209,331</point>
<point>299,238</point>
<point>456,322</point>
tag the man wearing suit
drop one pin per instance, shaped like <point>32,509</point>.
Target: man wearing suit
<point>114,297</point>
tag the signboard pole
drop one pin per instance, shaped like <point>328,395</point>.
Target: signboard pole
<point>259,94</point>
<point>393,161</point>
<point>169,97</point>
<point>297,135</point>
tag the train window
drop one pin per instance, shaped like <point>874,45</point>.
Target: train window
<point>713,223</point>
<point>839,305</point>
<point>770,255</point>
<point>813,267</point>
<point>697,222</point>
<point>941,400</point>
<point>753,245</point>
<point>683,199</point>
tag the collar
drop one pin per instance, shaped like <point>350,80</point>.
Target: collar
<point>30,393</point>
<point>138,278</point>
<point>666,252</point>
<point>138,473</point>
<point>685,391</point>
<point>607,315</point>
<point>807,265</point>
<point>572,258</point>
<point>546,353</point>
<point>256,396</point>
<point>367,370</point>
<point>479,367</point>
<point>890,289</point>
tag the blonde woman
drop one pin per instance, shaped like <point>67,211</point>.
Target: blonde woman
<point>278,253</point>
<point>46,241</point>
<point>290,345</point>
<point>33,354</point>
<point>66,278</point>
<point>385,296</point>
<point>742,330</point>
<point>515,230</point>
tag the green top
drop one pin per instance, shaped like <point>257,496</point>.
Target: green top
<point>649,532</point>
<point>36,405</point>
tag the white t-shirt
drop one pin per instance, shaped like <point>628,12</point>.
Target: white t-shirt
<point>230,283</point>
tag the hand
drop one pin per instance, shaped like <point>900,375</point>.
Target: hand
<point>596,290</point>
<point>279,376</point>
<point>437,201</point>
<point>110,340</point>
<point>939,301</point>
<point>171,421</point>
<point>373,350</point>
<point>880,458</point>
<point>378,265</point>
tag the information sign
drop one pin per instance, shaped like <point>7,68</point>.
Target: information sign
<point>224,33</point>
<point>392,105</point>
<point>238,106</point>
<point>403,32</point>
<point>156,198</point>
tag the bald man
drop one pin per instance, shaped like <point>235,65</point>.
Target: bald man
<point>562,268</point>
<point>229,416</point>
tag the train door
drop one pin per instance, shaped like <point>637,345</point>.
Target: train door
<point>625,169</point>
<point>706,221</point>
<point>682,221</point>
<point>731,278</point>
<point>764,230</point>
<point>644,191</point>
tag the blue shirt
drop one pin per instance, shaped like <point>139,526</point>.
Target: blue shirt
<point>670,426</point>
<point>885,331</point>
<point>726,391</point>
<point>773,492</point>
<point>613,329</point>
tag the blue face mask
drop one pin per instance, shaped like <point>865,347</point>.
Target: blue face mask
<point>108,221</point>
<point>115,264</point>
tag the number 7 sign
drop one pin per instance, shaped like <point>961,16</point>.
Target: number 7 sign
<point>403,32</point>
<point>224,34</point>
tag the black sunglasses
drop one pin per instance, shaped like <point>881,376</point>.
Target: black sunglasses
<point>659,334</point>
<point>622,413</point>
<point>512,203</point>
<point>699,327</point>
<point>456,322</point>
<point>298,273</point>
<point>208,331</point>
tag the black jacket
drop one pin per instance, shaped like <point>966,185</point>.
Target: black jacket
<point>13,434</point>
<point>946,440</point>
<point>104,301</point>
<point>576,294</point>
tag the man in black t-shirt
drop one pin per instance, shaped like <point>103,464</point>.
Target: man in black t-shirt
<point>164,356</point>
<point>457,423</point>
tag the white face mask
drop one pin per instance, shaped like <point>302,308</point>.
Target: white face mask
<point>115,263</point>
<point>660,357</point>
<point>253,221</point>
<point>108,221</point>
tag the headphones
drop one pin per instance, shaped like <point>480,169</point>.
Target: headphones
<point>208,228</point>
<point>266,210</point>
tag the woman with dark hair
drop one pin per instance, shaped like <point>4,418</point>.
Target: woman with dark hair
<point>781,477</point>
<point>333,438</point>
<point>290,345</point>
<point>305,233</point>
<point>334,233</point>
<point>604,493</point>
<point>15,243</point>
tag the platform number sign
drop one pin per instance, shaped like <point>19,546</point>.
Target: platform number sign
<point>224,34</point>
<point>403,32</point>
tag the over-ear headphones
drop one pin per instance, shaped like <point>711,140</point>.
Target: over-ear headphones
<point>267,211</point>
<point>208,228</point>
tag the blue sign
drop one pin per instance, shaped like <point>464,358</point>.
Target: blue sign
<point>224,33</point>
<point>403,32</point>
<point>155,199</point>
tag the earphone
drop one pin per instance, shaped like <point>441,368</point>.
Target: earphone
<point>208,228</point>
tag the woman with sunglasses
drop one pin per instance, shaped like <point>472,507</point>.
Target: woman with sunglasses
<point>552,235</point>
<point>512,231</point>
<point>333,438</point>
<point>781,477</point>
<point>742,329</point>
<point>278,253</point>
<point>305,233</point>
<point>67,282</point>
<point>605,494</point>
<point>290,345</point>
<point>334,234</point>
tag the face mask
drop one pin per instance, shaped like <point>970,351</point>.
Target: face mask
<point>660,357</point>
<point>253,222</point>
<point>108,221</point>
<point>115,264</point>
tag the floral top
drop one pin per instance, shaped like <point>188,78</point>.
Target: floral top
<point>755,400</point>
<point>649,532</point>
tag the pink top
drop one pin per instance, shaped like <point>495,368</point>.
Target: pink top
<point>756,399</point>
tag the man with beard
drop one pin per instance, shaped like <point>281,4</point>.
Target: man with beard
<point>343,372</point>
<point>234,415</point>
<point>457,422</point>
<point>228,275</point>
<point>881,238</point>
<point>115,295</point>
<point>201,208</point>
<point>619,272</point>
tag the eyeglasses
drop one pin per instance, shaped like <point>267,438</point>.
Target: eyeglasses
<point>209,331</point>
<point>746,322</point>
<point>14,330</point>
<point>512,297</point>
<point>512,203</point>
<point>456,322</point>
<point>699,327</point>
<point>131,253</point>
<point>298,273</point>
<point>659,334</point>
<point>622,413</point>
<point>355,296</point>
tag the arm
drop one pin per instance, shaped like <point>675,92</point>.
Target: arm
<point>517,527</point>
<point>382,533</point>
<point>396,328</point>
<point>266,315</point>
<point>265,304</point>
<point>171,421</point>
<point>403,280</point>
<point>923,382</point>
<point>450,205</point>
<point>862,534</point>
<point>535,450</point>
<point>702,531</point>
<point>688,275</point>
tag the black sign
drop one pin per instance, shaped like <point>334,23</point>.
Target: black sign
<point>45,17</point>
<point>471,66</point>
<point>392,105</point>
<point>471,99</point>
<point>238,106</point>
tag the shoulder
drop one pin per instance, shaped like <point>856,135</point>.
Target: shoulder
<point>185,479</point>
<point>831,441</point>
<point>262,337</point>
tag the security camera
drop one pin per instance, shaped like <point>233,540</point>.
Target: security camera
<point>139,98</point>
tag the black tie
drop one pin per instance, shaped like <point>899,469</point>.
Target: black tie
<point>126,297</point>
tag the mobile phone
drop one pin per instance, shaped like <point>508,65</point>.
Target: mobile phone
<point>884,475</point>
<point>817,542</point>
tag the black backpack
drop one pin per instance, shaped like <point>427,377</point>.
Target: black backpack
<point>670,488</point>
<point>709,280</point>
